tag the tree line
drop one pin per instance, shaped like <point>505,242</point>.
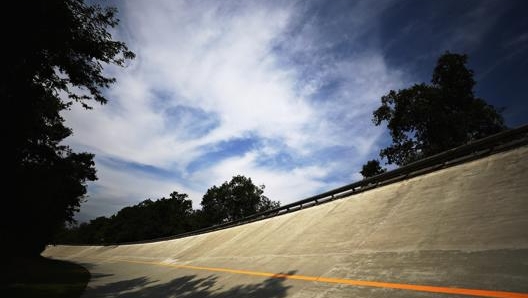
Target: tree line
<point>174,215</point>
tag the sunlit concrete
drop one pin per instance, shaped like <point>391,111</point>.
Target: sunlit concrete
<point>464,227</point>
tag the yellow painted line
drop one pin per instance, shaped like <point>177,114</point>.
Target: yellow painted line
<point>363,283</point>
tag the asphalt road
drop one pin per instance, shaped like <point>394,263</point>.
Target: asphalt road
<point>457,232</point>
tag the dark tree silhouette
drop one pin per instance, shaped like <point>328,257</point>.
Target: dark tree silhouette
<point>233,200</point>
<point>146,220</point>
<point>171,216</point>
<point>151,219</point>
<point>427,119</point>
<point>55,55</point>
<point>372,168</point>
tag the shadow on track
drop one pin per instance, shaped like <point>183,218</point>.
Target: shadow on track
<point>190,286</point>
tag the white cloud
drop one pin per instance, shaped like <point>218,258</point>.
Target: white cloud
<point>474,25</point>
<point>364,79</point>
<point>211,61</point>
<point>283,185</point>
<point>207,72</point>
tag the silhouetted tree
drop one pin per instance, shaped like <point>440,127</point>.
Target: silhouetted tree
<point>233,200</point>
<point>146,220</point>
<point>171,216</point>
<point>427,119</point>
<point>54,57</point>
<point>372,168</point>
<point>96,231</point>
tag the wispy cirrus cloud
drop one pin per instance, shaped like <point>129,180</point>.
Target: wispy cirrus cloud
<point>221,88</point>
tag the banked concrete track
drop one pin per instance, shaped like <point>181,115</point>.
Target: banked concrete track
<point>457,232</point>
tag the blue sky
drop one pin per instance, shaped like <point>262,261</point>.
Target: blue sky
<point>279,91</point>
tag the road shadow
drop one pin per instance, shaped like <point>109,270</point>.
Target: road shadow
<point>191,286</point>
<point>43,277</point>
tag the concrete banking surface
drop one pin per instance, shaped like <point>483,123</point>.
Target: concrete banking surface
<point>457,232</point>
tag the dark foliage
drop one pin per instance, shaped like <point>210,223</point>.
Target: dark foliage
<point>427,119</point>
<point>54,58</point>
<point>149,219</point>
<point>171,216</point>
<point>372,168</point>
<point>146,220</point>
<point>233,200</point>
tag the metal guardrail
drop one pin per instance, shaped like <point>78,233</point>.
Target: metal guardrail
<point>495,143</point>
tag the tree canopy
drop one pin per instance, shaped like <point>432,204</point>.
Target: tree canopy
<point>152,219</point>
<point>235,199</point>
<point>426,119</point>
<point>53,60</point>
<point>165,217</point>
<point>147,220</point>
<point>372,168</point>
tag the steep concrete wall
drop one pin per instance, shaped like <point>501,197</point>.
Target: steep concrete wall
<point>480,205</point>
<point>464,226</point>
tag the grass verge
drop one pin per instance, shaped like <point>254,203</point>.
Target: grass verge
<point>43,277</point>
